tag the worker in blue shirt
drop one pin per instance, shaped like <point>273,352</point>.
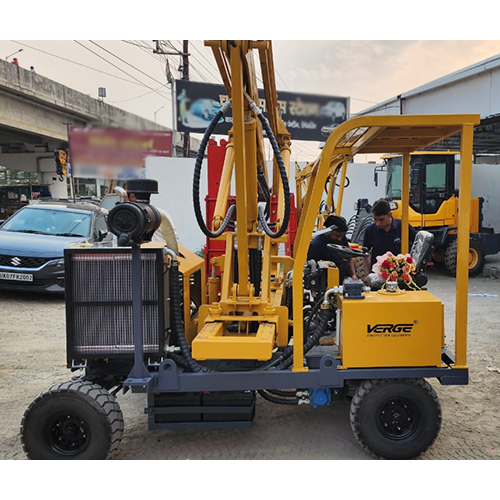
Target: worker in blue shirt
<point>318,249</point>
<point>384,235</point>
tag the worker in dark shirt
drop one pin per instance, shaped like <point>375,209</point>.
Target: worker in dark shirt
<point>318,249</point>
<point>384,235</point>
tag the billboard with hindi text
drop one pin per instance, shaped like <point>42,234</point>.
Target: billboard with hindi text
<point>308,117</point>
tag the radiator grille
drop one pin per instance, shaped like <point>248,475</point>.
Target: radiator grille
<point>27,262</point>
<point>99,302</point>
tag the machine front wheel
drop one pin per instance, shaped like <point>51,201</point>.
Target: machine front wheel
<point>476,257</point>
<point>76,420</point>
<point>395,419</point>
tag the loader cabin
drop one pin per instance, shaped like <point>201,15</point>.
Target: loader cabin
<point>434,205</point>
<point>432,179</point>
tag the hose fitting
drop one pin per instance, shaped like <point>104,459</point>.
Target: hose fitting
<point>326,301</point>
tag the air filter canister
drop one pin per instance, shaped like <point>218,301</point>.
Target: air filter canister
<point>133,221</point>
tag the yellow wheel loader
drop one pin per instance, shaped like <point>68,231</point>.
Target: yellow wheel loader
<point>434,206</point>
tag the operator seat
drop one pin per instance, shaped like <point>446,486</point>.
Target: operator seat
<point>420,248</point>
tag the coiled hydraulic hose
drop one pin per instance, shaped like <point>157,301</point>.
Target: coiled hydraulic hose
<point>325,315</point>
<point>284,178</point>
<point>178,324</point>
<point>285,359</point>
<point>197,176</point>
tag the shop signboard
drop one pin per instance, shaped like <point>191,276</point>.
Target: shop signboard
<point>308,117</point>
<point>115,153</point>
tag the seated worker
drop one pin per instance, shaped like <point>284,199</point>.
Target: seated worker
<point>383,235</point>
<point>318,249</point>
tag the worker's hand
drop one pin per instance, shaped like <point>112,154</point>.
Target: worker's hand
<point>355,277</point>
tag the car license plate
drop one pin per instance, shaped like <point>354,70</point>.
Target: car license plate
<point>16,277</point>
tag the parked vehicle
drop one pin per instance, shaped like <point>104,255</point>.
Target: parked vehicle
<point>206,108</point>
<point>12,198</point>
<point>434,203</point>
<point>32,243</point>
<point>335,110</point>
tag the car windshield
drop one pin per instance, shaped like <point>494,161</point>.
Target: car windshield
<point>49,221</point>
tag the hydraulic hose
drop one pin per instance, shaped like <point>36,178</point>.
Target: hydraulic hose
<point>284,177</point>
<point>324,317</point>
<point>197,176</point>
<point>314,310</point>
<point>284,394</point>
<point>178,325</point>
<point>179,360</point>
<point>285,359</point>
<point>256,269</point>
<point>273,399</point>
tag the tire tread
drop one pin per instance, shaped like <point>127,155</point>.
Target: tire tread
<point>97,397</point>
<point>366,387</point>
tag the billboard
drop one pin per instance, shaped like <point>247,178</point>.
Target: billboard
<point>114,153</point>
<point>308,117</point>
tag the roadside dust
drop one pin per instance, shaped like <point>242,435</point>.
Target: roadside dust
<point>32,358</point>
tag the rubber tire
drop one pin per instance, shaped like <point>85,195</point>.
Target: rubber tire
<point>83,400</point>
<point>360,268</point>
<point>365,416</point>
<point>476,252</point>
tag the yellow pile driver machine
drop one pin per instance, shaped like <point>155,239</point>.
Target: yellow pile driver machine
<point>143,317</point>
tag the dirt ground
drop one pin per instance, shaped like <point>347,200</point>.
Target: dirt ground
<point>32,356</point>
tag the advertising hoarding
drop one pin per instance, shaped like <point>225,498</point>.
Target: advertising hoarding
<point>308,117</point>
<point>114,153</point>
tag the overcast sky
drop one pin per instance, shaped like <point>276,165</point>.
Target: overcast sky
<point>367,71</point>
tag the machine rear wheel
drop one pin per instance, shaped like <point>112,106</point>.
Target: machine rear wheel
<point>395,419</point>
<point>75,420</point>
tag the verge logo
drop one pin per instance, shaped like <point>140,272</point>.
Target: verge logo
<point>16,261</point>
<point>390,328</point>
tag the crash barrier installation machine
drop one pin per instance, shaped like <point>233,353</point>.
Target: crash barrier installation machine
<point>144,318</point>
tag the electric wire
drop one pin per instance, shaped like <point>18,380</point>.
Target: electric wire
<point>78,64</point>
<point>136,44</point>
<point>137,97</point>
<point>120,69</point>
<point>216,76</point>
<point>194,68</point>
<point>160,58</point>
<point>127,63</point>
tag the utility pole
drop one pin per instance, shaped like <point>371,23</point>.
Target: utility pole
<point>185,76</point>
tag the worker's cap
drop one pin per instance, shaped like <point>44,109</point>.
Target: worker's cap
<point>336,223</point>
<point>143,186</point>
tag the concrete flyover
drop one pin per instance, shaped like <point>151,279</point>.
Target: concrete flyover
<point>35,110</point>
<point>35,113</point>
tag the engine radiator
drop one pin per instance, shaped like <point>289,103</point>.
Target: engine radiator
<point>99,322</point>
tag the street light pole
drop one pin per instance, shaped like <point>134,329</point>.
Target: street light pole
<point>20,50</point>
<point>157,111</point>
